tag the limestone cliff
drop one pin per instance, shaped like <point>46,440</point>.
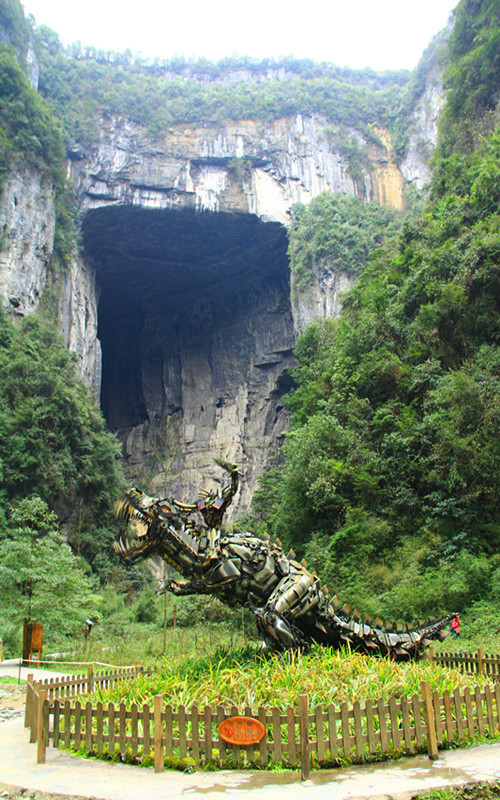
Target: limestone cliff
<point>179,306</point>
<point>249,166</point>
<point>27,220</point>
<point>186,236</point>
<point>423,132</point>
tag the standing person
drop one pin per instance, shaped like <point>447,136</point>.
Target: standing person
<point>455,627</point>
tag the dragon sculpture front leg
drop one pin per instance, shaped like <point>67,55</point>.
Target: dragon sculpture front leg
<point>290,607</point>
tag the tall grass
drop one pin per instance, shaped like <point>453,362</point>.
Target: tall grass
<point>250,678</point>
<point>146,645</point>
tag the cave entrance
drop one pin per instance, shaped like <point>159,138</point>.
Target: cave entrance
<point>193,306</point>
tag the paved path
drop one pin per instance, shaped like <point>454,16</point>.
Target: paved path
<point>12,669</point>
<point>70,775</point>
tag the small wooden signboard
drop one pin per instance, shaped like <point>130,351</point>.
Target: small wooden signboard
<point>241,730</point>
<point>32,641</point>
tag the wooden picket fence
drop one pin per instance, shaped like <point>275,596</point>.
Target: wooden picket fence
<point>479,663</point>
<point>160,734</point>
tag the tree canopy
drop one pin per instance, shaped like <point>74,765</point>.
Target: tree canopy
<point>339,231</point>
<point>40,577</point>
<point>53,439</point>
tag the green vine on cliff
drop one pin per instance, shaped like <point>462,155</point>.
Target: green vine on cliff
<point>29,133</point>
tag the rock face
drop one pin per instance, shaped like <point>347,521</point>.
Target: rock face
<point>179,307</point>
<point>197,334</point>
<point>249,166</point>
<point>323,298</point>
<point>415,167</point>
<point>186,237</point>
<point>27,220</point>
<point>78,322</point>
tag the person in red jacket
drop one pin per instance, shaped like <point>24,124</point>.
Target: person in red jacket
<point>455,626</point>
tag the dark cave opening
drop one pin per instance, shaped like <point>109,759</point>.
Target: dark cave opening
<point>180,289</point>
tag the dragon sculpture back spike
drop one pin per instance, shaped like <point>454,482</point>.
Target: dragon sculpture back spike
<point>290,608</point>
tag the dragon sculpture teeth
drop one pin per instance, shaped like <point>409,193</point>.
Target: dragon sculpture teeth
<point>290,608</point>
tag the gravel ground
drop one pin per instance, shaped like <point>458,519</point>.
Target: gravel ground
<point>11,700</point>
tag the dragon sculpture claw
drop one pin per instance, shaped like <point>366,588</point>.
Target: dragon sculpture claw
<point>290,608</point>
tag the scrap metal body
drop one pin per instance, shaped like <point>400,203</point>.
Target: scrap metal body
<point>290,607</point>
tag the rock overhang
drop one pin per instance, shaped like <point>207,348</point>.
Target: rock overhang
<point>184,250</point>
<point>191,304</point>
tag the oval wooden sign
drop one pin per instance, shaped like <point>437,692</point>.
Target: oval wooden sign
<point>241,730</point>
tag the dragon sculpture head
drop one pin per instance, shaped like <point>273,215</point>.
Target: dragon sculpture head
<point>162,528</point>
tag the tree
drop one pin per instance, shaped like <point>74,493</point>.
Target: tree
<point>389,474</point>
<point>53,439</point>
<point>40,578</point>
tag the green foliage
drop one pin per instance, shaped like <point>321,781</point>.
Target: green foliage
<point>336,231</point>
<point>250,678</point>
<point>471,791</point>
<point>84,85</point>
<point>28,129</point>
<point>389,481</point>
<point>354,152</point>
<point>471,80</point>
<point>17,28</point>
<point>65,235</point>
<point>53,439</point>
<point>40,578</point>
<point>29,133</point>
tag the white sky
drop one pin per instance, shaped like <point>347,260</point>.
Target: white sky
<point>383,34</point>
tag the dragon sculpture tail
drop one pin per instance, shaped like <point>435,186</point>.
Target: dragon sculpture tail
<point>401,641</point>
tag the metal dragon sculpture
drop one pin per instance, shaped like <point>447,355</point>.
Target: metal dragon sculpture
<point>290,608</point>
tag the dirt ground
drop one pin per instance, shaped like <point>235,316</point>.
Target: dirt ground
<point>8,792</point>
<point>12,695</point>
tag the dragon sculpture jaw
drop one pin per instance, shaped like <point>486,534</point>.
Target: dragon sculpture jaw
<point>290,607</point>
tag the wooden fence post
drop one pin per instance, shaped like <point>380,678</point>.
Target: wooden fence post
<point>28,708</point>
<point>40,728</point>
<point>480,661</point>
<point>90,679</point>
<point>34,712</point>
<point>431,654</point>
<point>432,748</point>
<point>305,765</point>
<point>158,732</point>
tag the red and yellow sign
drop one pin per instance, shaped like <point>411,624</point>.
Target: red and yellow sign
<point>241,730</point>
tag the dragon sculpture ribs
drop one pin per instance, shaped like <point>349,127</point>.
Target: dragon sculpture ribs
<point>290,608</point>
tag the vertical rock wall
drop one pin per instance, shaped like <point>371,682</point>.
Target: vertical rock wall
<point>27,221</point>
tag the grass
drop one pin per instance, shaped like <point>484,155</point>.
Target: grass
<point>471,791</point>
<point>250,678</point>
<point>145,646</point>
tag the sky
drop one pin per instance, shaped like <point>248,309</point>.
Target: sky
<point>382,34</point>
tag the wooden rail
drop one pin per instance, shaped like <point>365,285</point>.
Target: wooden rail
<point>479,663</point>
<point>160,734</point>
